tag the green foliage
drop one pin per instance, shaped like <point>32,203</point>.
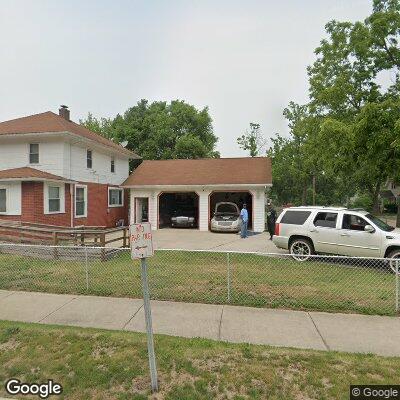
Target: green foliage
<point>161,130</point>
<point>252,141</point>
<point>348,136</point>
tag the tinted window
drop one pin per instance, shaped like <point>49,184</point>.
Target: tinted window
<point>380,224</point>
<point>295,217</point>
<point>326,219</point>
<point>353,222</point>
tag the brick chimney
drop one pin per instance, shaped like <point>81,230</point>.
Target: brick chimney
<point>64,112</point>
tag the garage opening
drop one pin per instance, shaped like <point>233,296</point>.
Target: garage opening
<point>178,210</point>
<point>232,197</point>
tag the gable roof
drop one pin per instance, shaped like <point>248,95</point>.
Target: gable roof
<point>29,173</point>
<point>206,171</point>
<point>51,122</point>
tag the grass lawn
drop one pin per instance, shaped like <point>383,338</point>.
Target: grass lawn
<point>99,364</point>
<point>255,280</point>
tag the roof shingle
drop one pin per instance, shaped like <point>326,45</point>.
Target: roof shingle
<point>51,122</point>
<point>28,173</point>
<point>206,171</point>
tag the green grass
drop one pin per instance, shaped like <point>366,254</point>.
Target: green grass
<point>99,364</point>
<point>202,277</point>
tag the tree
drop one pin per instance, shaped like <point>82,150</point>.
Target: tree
<point>252,141</point>
<point>101,125</point>
<point>162,130</point>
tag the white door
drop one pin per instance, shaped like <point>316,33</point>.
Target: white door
<point>324,232</point>
<point>355,241</point>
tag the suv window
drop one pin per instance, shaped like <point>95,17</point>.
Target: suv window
<point>325,219</point>
<point>353,222</point>
<point>295,217</point>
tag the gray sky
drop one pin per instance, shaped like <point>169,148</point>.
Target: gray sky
<point>245,60</point>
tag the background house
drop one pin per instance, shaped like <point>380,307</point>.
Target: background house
<point>160,187</point>
<point>56,172</point>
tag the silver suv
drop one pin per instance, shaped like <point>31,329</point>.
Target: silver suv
<point>351,232</point>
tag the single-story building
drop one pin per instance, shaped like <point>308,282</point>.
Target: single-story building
<point>159,187</point>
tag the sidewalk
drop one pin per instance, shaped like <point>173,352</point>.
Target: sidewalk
<point>308,330</point>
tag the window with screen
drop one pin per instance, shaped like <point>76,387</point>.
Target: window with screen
<point>89,160</point>
<point>326,219</point>
<point>80,201</point>
<point>295,217</point>
<point>115,197</point>
<point>54,199</point>
<point>112,165</point>
<point>3,200</point>
<point>353,222</point>
<point>34,153</point>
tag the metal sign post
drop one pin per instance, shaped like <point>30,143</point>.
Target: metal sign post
<point>142,247</point>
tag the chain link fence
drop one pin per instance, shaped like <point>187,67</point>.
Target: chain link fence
<point>323,283</point>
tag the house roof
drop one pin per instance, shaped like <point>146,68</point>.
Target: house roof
<point>26,173</point>
<point>51,122</point>
<point>206,171</point>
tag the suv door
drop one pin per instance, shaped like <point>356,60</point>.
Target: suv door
<point>354,240</point>
<point>324,232</point>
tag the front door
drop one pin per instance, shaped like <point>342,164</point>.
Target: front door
<point>354,240</point>
<point>141,209</point>
<point>324,232</point>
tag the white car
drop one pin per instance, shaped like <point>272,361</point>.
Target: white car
<point>350,232</point>
<point>226,217</point>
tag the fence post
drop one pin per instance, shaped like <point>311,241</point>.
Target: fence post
<point>87,269</point>
<point>55,243</point>
<point>397,286</point>
<point>228,267</point>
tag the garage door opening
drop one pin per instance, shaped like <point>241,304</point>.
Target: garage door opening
<point>178,210</point>
<point>233,197</point>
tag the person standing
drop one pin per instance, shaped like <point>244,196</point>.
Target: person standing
<point>271,219</point>
<point>244,216</point>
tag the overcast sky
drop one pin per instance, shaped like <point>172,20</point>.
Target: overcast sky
<point>245,60</point>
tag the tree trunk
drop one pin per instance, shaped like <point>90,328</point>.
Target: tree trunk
<point>375,198</point>
<point>304,195</point>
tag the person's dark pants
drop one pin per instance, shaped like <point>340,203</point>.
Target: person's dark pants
<point>243,229</point>
<point>271,230</point>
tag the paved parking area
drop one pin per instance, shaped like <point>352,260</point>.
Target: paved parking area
<point>192,239</point>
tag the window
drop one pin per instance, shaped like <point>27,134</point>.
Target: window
<point>34,153</point>
<point>80,201</point>
<point>353,222</point>
<point>54,199</point>
<point>379,223</point>
<point>326,220</point>
<point>295,217</point>
<point>115,197</point>
<point>112,165</point>
<point>3,200</point>
<point>89,161</point>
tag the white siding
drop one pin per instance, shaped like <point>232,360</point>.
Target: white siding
<point>101,166</point>
<point>258,210</point>
<point>16,155</point>
<point>13,197</point>
<point>153,205</point>
<point>203,210</point>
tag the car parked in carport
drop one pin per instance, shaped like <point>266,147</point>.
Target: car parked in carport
<point>183,218</point>
<point>226,217</point>
<point>305,231</point>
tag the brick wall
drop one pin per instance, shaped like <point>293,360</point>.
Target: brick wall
<point>99,214</point>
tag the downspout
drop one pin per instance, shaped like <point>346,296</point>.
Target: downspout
<point>71,189</point>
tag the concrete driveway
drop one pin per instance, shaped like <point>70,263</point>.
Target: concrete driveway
<point>191,239</point>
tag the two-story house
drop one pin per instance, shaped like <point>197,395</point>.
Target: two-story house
<point>56,172</point>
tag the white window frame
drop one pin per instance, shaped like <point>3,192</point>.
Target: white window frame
<point>122,197</point>
<point>46,198</point>
<point>29,154</point>
<point>91,158</point>
<point>85,199</point>
<point>7,197</point>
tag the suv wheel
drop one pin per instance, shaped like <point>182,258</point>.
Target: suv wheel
<point>394,258</point>
<point>301,249</point>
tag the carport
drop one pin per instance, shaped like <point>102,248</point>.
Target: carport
<point>237,197</point>
<point>177,204</point>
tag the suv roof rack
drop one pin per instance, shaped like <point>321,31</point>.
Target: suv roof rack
<point>357,209</point>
